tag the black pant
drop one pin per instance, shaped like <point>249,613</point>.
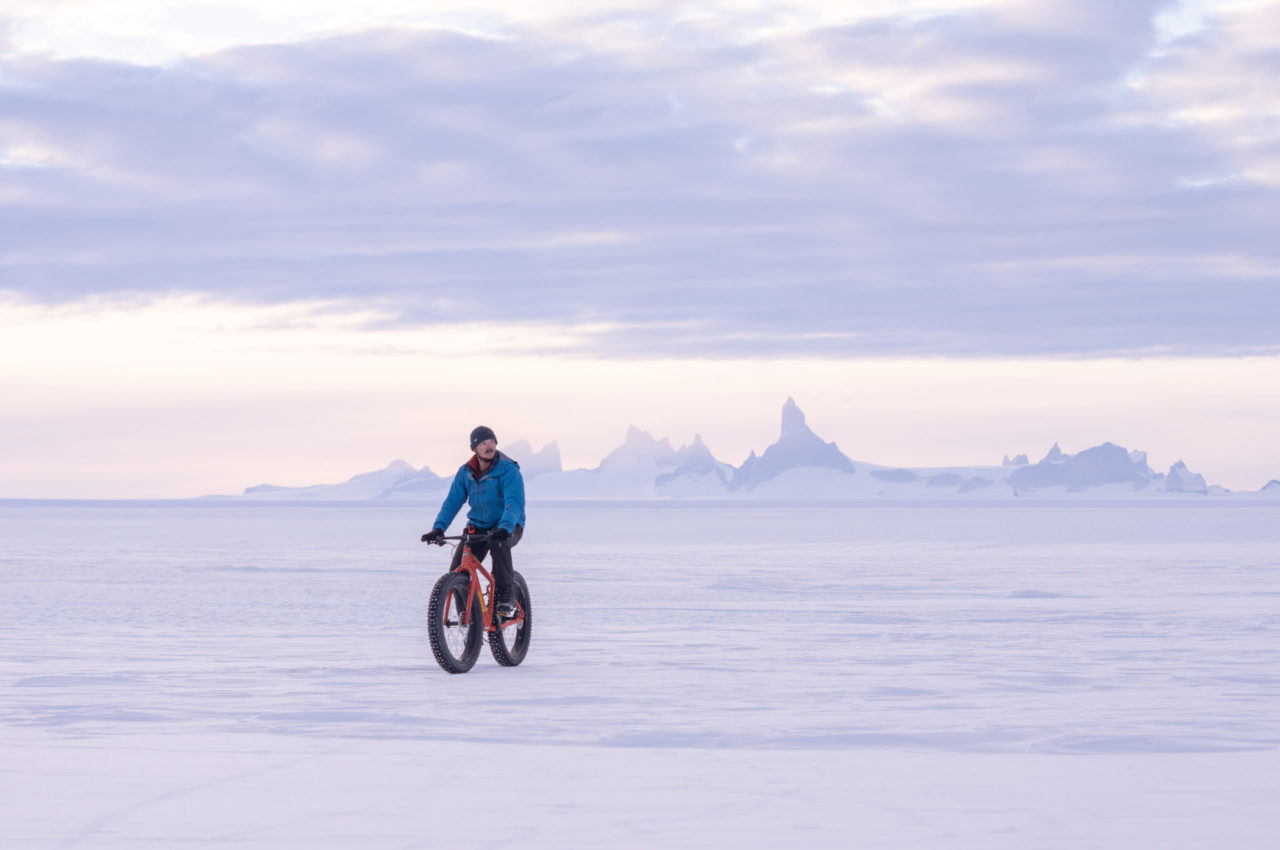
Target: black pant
<point>503,569</point>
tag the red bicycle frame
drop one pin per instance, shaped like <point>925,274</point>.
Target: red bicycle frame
<point>471,565</point>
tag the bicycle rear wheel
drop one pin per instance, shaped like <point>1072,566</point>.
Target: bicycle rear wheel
<point>455,645</point>
<point>510,642</point>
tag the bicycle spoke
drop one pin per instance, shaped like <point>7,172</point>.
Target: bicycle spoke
<point>455,637</point>
<point>455,633</point>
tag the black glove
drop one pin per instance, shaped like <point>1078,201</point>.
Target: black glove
<point>435,535</point>
<point>499,535</point>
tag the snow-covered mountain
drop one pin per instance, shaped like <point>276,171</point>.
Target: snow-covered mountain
<point>797,447</point>
<point>396,478</point>
<point>798,466</point>
<point>400,480</point>
<point>644,467</point>
<point>534,463</point>
<point>1095,467</point>
<point>641,468</point>
<point>1106,468</point>
<point>1182,480</point>
<point>696,471</point>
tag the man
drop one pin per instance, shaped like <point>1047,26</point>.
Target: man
<point>491,483</point>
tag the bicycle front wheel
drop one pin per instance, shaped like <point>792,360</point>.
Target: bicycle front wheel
<point>510,641</point>
<point>454,642</point>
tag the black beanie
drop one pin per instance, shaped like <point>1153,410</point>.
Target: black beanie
<point>480,434</point>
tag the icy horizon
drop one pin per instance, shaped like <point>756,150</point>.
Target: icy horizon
<point>799,465</point>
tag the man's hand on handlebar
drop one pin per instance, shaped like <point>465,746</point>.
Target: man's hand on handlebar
<point>499,535</point>
<point>435,535</point>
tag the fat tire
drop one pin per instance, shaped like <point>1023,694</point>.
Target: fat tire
<point>520,647</point>
<point>456,585</point>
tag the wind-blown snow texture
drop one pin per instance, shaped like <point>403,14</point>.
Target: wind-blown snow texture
<point>750,675</point>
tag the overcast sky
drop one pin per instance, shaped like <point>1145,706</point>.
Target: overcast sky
<point>290,241</point>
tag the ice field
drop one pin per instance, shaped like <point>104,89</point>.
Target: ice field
<point>967,676</point>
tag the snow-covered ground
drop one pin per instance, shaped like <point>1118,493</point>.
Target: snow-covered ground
<point>747,675</point>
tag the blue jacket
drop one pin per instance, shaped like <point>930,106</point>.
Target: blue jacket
<point>496,495</point>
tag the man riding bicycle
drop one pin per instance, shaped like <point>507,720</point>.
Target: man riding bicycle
<point>490,482</point>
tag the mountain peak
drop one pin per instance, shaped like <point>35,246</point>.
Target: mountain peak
<point>694,462</point>
<point>640,445</point>
<point>797,446</point>
<point>1103,464</point>
<point>1139,460</point>
<point>396,469</point>
<point>1182,480</point>
<point>696,448</point>
<point>638,438</point>
<point>795,431</point>
<point>793,424</point>
<point>534,463</point>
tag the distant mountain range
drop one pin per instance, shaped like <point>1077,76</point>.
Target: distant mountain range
<point>799,466</point>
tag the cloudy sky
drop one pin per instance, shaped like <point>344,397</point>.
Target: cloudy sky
<point>289,241</point>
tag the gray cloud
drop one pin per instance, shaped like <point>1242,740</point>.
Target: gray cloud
<point>969,184</point>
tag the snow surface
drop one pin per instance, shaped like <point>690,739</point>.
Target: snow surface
<point>748,675</point>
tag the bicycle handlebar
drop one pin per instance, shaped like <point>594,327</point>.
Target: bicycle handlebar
<point>464,536</point>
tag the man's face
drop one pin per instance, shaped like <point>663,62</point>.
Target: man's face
<point>486,449</point>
